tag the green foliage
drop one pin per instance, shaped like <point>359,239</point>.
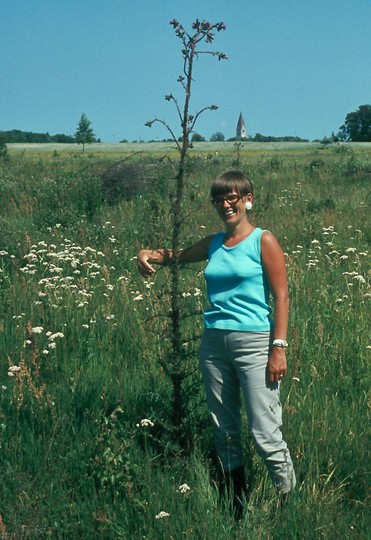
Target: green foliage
<point>18,136</point>
<point>87,446</point>
<point>3,147</point>
<point>218,136</point>
<point>196,137</point>
<point>269,138</point>
<point>357,125</point>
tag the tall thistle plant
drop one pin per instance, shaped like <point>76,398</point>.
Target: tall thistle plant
<point>202,33</point>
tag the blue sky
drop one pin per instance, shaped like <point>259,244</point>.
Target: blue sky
<point>295,67</point>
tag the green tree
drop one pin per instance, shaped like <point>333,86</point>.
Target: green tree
<point>357,125</point>
<point>84,133</point>
<point>196,137</point>
<point>217,137</point>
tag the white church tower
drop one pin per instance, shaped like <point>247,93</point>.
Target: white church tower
<point>241,132</point>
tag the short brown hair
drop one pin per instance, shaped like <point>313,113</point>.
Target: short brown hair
<point>231,181</point>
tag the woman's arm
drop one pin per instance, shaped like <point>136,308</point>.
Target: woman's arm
<point>274,267</point>
<point>195,253</point>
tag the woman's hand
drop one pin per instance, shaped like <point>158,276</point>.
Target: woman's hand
<point>143,261</point>
<point>277,364</point>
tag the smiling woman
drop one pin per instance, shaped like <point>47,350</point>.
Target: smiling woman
<point>243,348</point>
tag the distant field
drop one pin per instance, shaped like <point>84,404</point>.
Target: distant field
<point>154,147</point>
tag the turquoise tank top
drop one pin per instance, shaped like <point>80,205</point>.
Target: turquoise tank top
<point>237,288</point>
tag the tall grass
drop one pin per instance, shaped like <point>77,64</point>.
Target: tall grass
<point>87,448</point>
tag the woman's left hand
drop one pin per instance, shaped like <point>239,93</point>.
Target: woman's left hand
<point>277,364</point>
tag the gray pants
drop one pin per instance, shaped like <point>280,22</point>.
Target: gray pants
<point>231,361</point>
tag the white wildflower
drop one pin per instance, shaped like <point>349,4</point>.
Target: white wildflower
<point>138,297</point>
<point>351,250</point>
<point>360,278</point>
<point>344,257</point>
<point>52,337</point>
<point>37,329</point>
<point>2,253</point>
<point>145,423</point>
<point>45,351</point>
<point>162,515</point>
<point>14,369</point>
<point>184,488</point>
<point>315,241</point>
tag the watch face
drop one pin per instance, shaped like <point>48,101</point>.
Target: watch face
<point>280,343</point>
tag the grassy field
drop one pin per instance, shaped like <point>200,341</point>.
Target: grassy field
<point>164,147</point>
<point>87,446</point>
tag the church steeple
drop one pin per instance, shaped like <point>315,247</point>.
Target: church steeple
<point>241,128</point>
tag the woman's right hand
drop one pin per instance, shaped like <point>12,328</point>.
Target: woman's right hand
<point>144,267</point>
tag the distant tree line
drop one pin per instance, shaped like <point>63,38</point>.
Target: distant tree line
<point>356,128</point>
<point>18,136</point>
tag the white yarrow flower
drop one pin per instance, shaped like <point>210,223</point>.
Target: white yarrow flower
<point>184,488</point>
<point>14,369</point>
<point>145,423</point>
<point>162,515</point>
<point>360,278</point>
<point>37,329</point>
<point>52,337</point>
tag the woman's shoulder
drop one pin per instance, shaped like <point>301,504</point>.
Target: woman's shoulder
<point>269,243</point>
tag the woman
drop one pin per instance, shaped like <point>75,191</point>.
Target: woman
<point>242,347</point>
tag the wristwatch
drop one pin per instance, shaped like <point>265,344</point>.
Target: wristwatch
<point>280,343</point>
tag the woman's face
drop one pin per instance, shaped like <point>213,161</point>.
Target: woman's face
<point>231,207</point>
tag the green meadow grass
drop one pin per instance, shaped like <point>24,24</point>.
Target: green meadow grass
<point>87,446</point>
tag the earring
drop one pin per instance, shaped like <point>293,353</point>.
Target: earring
<point>248,205</point>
